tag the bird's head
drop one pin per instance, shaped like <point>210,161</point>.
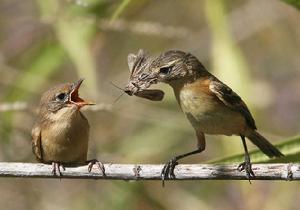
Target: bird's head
<point>63,100</point>
<point>168,67</point>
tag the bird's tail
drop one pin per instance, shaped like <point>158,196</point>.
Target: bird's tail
<point>264,145</point>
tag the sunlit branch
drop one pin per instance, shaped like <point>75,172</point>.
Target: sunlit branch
<point>285,172</point>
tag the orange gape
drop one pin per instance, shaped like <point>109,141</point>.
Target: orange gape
<point>210,105</point>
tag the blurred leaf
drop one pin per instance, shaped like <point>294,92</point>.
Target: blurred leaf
<point>31,79</point>
<point>290,148</point>
<point>38,72</point>
<point>75,36</point>
<point>120,9</point>
<point>228,61</point>
<point>295,3</point>
<point>48,9</point>
<point>90,8</point>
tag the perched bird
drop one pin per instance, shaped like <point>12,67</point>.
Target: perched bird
<point>210,105</point>
<point>61,133</point>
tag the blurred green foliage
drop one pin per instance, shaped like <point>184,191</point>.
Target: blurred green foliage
<point>295,3</point>
<point>290,148</point>
<point>120,9</point>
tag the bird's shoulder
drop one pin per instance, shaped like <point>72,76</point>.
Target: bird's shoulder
<point>200,85</point>
<point>231,99</point>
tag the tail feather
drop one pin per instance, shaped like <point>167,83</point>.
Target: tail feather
<point>264,145</point>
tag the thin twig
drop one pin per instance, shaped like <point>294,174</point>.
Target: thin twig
<point>23,106</point>
<point>145,28</point>
<point>15,106</point>
<point>278,171</point>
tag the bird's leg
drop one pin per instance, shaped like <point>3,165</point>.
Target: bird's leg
<point>99,164</point>
<point>56,168</point>
<point>168,169</point>
<point>246,165</point>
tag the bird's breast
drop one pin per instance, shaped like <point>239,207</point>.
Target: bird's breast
<point>206,112</point>
<point>66,140</point>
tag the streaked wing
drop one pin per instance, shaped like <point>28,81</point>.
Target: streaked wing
<point>36,143</point>
<point>232,100</point>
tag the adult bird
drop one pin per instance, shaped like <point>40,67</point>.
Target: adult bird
<point>211,106</point>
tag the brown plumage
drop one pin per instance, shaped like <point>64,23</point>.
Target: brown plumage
<point>210,105</point>
<point>61,133</point>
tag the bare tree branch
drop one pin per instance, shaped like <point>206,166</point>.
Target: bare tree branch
<point>23,106</point>
<point>278,171</point>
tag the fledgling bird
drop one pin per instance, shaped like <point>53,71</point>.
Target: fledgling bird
<point>61,133</point>
<point>210,105</point>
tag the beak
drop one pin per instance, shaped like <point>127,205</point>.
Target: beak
<point>128,92</point>
<point>75,99</point>
<point>131,88</point>
<point>153,95</point>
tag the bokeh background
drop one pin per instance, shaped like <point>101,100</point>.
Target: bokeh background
<point>253,46</point>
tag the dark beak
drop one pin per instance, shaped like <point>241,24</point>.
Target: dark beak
<point>75,95</point>
<point>128,92</point>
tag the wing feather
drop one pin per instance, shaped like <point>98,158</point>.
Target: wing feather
<point>36,143</point>
<point>232,100</point>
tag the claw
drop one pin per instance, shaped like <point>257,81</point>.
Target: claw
<point>168,170</point>
<point>246,165</point>
<point>99,164</point>
<point>56,168</point>
<point>248,169</point>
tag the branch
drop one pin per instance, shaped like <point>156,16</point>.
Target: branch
<point>23,106</point>
<point>152,172</point>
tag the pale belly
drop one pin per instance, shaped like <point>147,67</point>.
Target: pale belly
<point>65,143</point>
<point>210,116</point>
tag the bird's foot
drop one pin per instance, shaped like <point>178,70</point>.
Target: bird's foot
<point>246,165</point>
<point>56,168</point>
<point>99,164</point>
<point>168,170</point>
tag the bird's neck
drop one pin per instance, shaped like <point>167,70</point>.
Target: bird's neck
<point>194,77</point>
<point>186,83</point>
<point>66,115</point>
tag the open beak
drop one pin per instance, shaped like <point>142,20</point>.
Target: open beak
<point>75,99</point>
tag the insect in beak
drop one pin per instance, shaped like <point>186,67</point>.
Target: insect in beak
<point>153,95</point>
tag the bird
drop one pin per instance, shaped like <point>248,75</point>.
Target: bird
<point>210,105</point>
<point>60,135</point>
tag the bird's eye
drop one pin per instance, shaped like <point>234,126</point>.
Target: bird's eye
<point>61,96</point>
<point>164,70</point>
